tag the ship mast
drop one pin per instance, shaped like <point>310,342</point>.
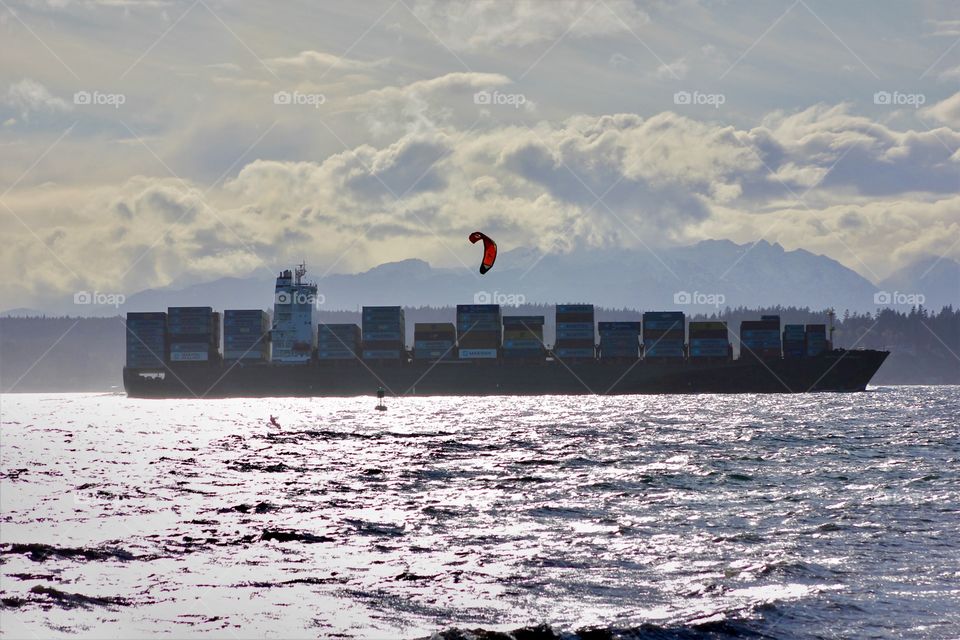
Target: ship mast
<point>301,271</point>
<point>830,316</point>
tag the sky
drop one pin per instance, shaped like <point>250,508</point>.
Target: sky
<point>160,143</point>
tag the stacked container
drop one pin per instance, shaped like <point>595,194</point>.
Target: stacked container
<point>146,339</point>
<point>663,335</point>
<point>576,337</point>
<point>246,336</point>
<point>479,331</point>
<point>816,339</point>
<point>760,339</point>
<point>383,333</point>
<point>619,340</point>
<point>794,341</point>
<point>338,342</point>
<point>709,341</point>
<point>193,335</point>
<point>523,338</point>
<point>434,340</point>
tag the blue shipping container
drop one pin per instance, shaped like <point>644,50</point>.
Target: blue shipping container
<point>574,352</point>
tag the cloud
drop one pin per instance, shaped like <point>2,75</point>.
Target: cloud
<point>425,105</point>
<point>872,196</point>
<point>470,24</point>
<point>859,156</point>
<point>952,73</point>
<point>310,60</point>
<point>30,97</point>
<point>948,28</point>
<point>946,111</point>
<point>676,70</point>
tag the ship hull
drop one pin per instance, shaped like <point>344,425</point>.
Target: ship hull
<point>842,371</point>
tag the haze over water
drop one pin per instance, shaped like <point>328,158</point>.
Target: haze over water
<point>806,516</point>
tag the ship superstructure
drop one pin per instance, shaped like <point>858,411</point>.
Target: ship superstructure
<point>293,334</point>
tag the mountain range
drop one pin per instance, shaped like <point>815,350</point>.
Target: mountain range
<point>697,278</point>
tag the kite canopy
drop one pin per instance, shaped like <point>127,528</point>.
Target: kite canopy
<point>489,250</point>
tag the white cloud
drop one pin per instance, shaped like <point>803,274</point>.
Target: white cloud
<point>474,24</point>
<point>952,73</point>
<point>948,28</point>
<point>29,96</point>
<point>665,179</point>
<point>946,111</point>
<point>425,105</point>
<point>319,60</point>
<point>676,70</point>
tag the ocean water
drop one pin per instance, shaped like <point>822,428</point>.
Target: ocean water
<point>803,516</point>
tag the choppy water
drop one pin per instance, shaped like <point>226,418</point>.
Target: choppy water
<point>812,516</point>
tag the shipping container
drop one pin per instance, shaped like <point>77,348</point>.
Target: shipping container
<point>479,328</point>
<point>663,321</point>
<point>574,313</point>
<point>574,352</point>
<point>619,340</point>
<point>522,343</point>
<point>574,308</point>
<point>575,332</point>
<point>246,335</point>
<point>523,321</point>
<point>707,326</point>
<point>382,354</point>
<point>384,333</point>
<point>794,341</point>
<point>523,339</point>
<point>336,354</point>
<point>524,355</point>
<point>202,355</point>
<point>146,339</point>
<point>339,329</point>
<point>478,354</point>
<point>760,339</point>
<point>709,348</point>
<point>434,327</point>
<point>478,308</point>
<point>816,339</point>
<point>655,348</point>
<point>619,326</point>
<point>341,341</point>
<point>193,335</point>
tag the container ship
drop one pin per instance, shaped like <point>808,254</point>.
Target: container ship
<point>177,353</point>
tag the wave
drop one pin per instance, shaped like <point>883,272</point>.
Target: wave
<point>40,552</point>
<point>715,630</point>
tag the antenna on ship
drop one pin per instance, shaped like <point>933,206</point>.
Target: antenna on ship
<point>830,316</point>
<point>301,271</point>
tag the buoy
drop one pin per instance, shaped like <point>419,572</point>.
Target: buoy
<point>380,406</point>
<point>273,422</point>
